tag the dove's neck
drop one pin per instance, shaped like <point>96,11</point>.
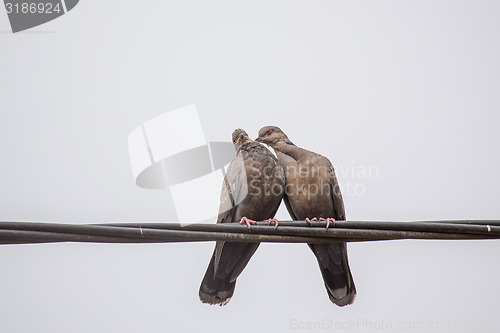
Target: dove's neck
<point>288,148</point>
<point>244,143</point>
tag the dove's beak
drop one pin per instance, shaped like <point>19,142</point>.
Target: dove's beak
<point>259,139</point>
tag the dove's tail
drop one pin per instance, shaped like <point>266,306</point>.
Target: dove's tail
<point>218,285</point>
<point>216,290</point>
<point>332,260</point>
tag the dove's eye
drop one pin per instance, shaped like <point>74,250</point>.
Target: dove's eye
<point>234,141</point>
<point>269,131</point>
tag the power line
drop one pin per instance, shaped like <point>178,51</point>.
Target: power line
<point>287,232</point>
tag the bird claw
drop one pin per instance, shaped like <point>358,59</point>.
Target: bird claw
<point>310,220</point>
<point>247,221</point>
<point>272,220</point>
<point>328,220</point>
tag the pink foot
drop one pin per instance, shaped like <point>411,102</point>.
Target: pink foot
<point>247,221</point>
<point>328,220</point>
<point>309,221</point>
<point>272,220</point>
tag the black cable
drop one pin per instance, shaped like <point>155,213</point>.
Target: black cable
<point>287,232</point>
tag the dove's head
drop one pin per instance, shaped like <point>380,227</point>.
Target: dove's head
<point>271,135</point>
<point>240,137</point>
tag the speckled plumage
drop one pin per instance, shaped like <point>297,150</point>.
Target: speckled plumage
<point>246,192</point>
<point>312,190</point>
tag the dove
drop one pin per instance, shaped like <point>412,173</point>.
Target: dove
<point>312,192</point>
<point>252,191</point>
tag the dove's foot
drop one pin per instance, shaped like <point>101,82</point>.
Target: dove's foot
<point>272,220</point>
<point>328,220</point>
<point>247,221</point>
<point>310,220</point>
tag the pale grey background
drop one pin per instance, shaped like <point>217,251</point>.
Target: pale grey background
<point>411,87</point>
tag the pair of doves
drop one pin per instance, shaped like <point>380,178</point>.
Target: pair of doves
<point>310,191</point>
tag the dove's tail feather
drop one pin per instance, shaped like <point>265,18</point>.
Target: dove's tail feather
<point>332,260</point>
<point>215,290</point>
<point>217,287</point>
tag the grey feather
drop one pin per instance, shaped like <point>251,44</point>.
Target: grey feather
<point>244,194</point>
<point>313,191</point>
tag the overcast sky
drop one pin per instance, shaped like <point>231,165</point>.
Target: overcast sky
<point>406,89</point>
